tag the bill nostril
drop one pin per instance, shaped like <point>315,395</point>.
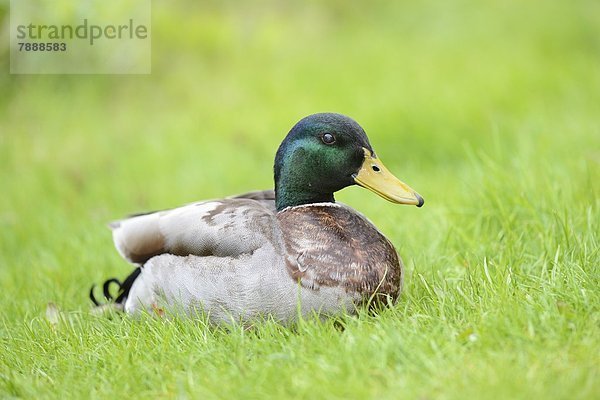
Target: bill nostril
<point>375,168</point>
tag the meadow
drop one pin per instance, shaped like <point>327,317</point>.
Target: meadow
<point>490,110</point>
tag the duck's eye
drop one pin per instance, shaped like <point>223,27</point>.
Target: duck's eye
<point>328,138</point>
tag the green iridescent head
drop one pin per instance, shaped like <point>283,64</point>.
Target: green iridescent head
<point>326,152</point>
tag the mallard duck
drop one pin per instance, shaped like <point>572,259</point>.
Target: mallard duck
<point>283,253</point>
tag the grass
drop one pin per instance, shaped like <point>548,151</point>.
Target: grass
<point>489,110</point>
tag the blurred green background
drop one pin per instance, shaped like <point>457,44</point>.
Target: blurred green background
<point>489,109</point>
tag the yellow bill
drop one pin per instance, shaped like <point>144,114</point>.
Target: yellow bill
<point>374,176</point>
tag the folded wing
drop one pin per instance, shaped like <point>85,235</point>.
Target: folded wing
<point>223,228</point>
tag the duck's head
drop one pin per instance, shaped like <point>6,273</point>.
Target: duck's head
<point>326,152</point>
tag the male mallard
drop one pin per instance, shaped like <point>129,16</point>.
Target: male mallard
<point>271,253</point>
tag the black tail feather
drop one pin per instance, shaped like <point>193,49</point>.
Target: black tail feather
<point>123,288</point>
<point>92,297</point>
<point>106,288</point>
<point>126,285</point>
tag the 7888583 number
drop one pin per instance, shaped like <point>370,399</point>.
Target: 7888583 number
<point>25,46</point>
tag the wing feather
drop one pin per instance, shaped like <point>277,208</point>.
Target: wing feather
<point>226,227</point>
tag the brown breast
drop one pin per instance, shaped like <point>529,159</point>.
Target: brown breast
<point>332,245</point>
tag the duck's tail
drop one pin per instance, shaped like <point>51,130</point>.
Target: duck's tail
<point>123,289</point>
